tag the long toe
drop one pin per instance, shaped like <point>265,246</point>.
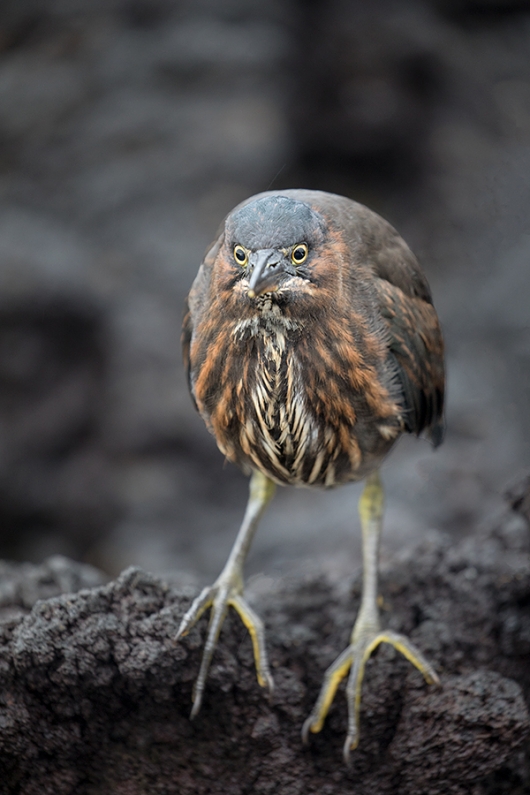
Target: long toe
<point>332,679</point>
<point>256,630</point>
<point>217,617</point>
<point>195,611</point>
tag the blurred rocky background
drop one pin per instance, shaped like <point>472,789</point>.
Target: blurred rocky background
<point>128,128</point>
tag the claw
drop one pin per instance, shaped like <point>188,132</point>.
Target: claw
<point>366,634</point>
<point>227,591</point>
<point>219,598</point>
<point>354,659</point>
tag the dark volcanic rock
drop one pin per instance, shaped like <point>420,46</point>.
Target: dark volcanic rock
<point>95,693</point>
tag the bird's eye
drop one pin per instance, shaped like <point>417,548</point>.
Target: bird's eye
<point>299,254</point>
<point>240,255</point>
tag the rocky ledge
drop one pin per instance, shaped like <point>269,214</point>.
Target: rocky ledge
<point>95,692</point>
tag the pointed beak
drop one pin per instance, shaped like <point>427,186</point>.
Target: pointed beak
<point>267,266</point>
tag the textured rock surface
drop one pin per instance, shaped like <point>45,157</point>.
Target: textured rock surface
<point>95,693</point>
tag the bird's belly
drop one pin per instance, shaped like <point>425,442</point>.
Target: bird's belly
<point>281,416</point>
<point>292,444</point>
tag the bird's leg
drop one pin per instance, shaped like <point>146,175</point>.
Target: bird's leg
<point>227,591</point>
<point>367,633</point>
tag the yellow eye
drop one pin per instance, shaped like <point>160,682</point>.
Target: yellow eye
<point>240,255</point>
<point>299,254</point>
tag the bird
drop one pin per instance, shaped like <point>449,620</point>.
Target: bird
<point>311,344</point>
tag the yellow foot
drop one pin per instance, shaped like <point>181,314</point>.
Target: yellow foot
<point>355,658</point>
<point>219,597</point>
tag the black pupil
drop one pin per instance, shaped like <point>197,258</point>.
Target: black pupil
<point>299,253</point>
